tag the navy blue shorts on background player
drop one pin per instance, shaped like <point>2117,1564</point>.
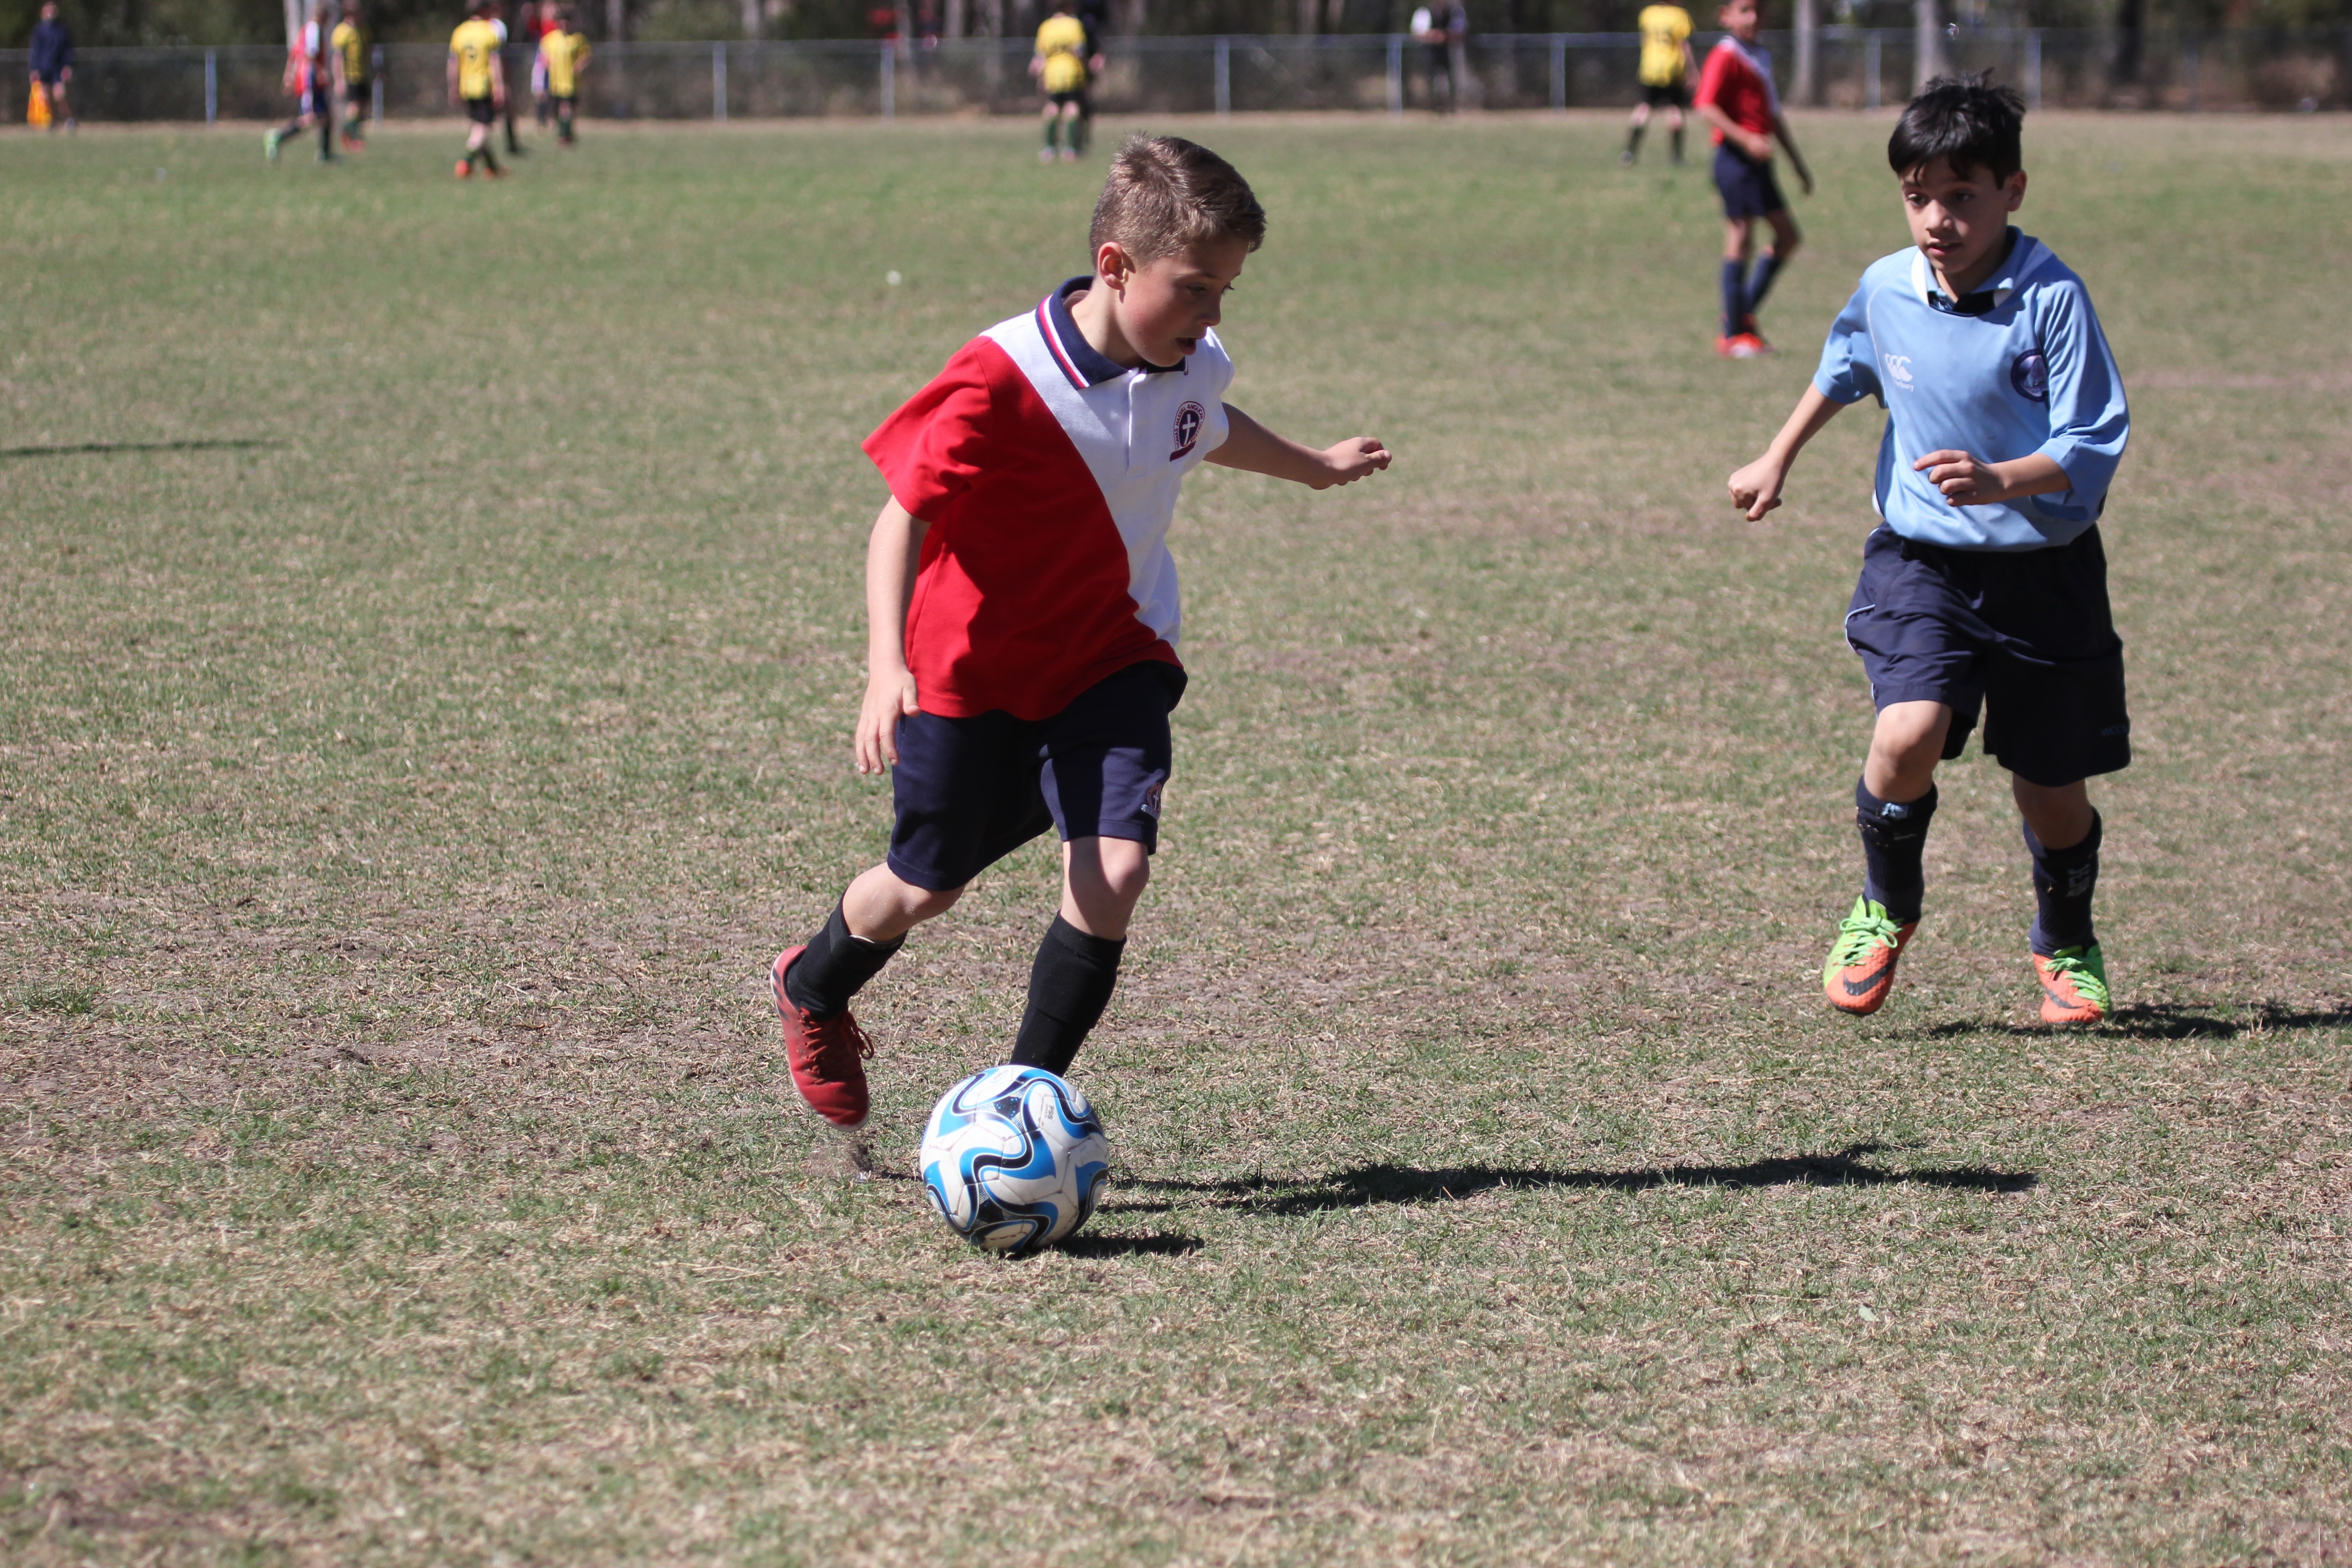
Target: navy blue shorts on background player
<point>2025,634</point>
<point>1749,188</point>
<point>970,792</point>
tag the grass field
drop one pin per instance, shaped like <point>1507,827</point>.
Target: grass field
<point>432,634</point>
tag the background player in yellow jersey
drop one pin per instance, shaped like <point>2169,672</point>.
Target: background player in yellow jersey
<point>1063,69</point>
<point>1666,71</point>
<point>562,51</point>
<point>477,79</point>
<point>352,54</point>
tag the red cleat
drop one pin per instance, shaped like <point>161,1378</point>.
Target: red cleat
<point>823,1053</point>
<point>1860,967</point>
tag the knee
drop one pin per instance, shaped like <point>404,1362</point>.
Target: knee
<point>1107,875</point>
<point>1910,738</point>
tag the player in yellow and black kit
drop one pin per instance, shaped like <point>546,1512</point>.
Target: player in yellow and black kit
<point>562,52</point>
<point>478,78</point>
<point>1062,68</point>
<point>1666,68</point>
<point>351,51</point>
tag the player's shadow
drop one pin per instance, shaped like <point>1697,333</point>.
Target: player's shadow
<point>106,449</point>
<point>2165,1021</point>
<point>1085,1246</point>
<point>1385,1183</point>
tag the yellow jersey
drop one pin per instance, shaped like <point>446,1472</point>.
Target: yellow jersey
<point>1062,44</point>
<point>348,43</point>
<point>476,45</point>
<point>564,53</point>
<point>1665,30</point>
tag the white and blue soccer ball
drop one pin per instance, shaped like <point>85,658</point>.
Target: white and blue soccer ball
<point>1016,1158</point>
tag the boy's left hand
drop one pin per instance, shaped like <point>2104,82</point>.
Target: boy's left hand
<point>1350,460</point>
<point>1964,481</point>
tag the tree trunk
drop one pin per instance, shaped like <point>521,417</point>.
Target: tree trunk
<point>293,21</point>
<point>1928,55</point>
<point>1308,16</point>
<point>1808,84</point>
<point>616,20</point>
<point>951,22</point>
<point>2131,25</point>
<point>750,18</point>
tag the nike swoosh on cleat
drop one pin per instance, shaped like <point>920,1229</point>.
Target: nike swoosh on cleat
<point>1859,987</point>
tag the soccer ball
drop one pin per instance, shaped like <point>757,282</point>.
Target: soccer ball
<point>1016,1158</point>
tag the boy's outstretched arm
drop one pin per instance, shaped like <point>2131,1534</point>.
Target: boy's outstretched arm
<point>1250,446</point>
<point>1755,489</point>
<point>892,554</point>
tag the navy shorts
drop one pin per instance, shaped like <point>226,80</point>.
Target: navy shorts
<point>970,792</point>
<point>1748,187</point>
<point>2026,635</point>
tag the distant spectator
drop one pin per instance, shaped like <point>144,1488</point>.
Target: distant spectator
<point>53,52</point>
<point>1441,30</point>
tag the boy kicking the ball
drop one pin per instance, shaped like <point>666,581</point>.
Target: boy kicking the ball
<point>1020,660</point>
<point>1986,583</point>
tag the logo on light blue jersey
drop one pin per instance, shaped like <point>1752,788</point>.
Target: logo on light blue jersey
<point>2030,373</point>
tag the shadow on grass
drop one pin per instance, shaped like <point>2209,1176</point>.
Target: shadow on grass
<point>1129,1246</point>
<point>1385,1183</point>
<point>104,449</point>
<point>2164,1021</point>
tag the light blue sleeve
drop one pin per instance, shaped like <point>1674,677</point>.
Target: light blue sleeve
<point>2088,420</point>
<point>1849,368</point>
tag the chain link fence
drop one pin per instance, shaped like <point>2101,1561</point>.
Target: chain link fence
<point>2235,70</point>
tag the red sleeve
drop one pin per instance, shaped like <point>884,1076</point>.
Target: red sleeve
<point>930,448</point>
<point>1710,79</point>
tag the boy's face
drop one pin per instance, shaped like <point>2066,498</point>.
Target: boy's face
<point>1740,19</point>
<point>1959,222</point>
<point>1163,306</point>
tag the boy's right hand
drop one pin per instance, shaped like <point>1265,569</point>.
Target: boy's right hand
<point>1759,148</point>
<point>889,697</point>
<point>1755,489</point>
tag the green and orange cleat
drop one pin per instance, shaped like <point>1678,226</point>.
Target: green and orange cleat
<point>1860,967</point>
<point>2073,985</point>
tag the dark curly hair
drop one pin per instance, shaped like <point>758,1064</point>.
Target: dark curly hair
<point>1966,121</point>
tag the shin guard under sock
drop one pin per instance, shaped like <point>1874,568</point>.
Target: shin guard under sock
<point>1734,298</point>
<point>1759,282</point>
<point>1069,986</point>
<point>2064,881</point>
<point>834,966</point>
<point>1893,842</point>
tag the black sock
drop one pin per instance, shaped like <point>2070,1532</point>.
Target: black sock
<point>326,136</point>
<point>489,159</point>
<point>290,130</point>
<point>835,967</point>
<point>1069,986</point>
<point>1893,839</point>
<point>1734,298</point>
<point>1633,142</point>
<point>1759,282</point>
<point>2064,881</point>
<point>1676,133</point>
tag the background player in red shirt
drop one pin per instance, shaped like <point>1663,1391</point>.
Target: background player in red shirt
<point>1735,95</point>
<point>1021,661</point>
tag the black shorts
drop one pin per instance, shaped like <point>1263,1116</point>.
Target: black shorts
<point>482,111</point>
<point>355,93</point>
<point>566,101</point>
<point>1666,95</point>
<point>2025,634</point>
<point>1076,95</point>
<point>969,792</point>
<point>1748,187</point>
<point>50,83</point>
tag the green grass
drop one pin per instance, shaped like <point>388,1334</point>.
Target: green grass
<point>432,635</point>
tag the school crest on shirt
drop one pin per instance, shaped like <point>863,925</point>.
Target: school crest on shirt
<point>2030,373</point>
<point>1188,429</point>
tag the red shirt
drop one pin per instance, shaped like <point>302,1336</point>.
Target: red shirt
<point>1739,80</point>
<point>1048,477</point>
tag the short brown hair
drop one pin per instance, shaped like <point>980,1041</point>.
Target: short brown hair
<point>1165,193</point>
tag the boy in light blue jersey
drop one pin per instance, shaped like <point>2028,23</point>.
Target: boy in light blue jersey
<point>1985,584</point>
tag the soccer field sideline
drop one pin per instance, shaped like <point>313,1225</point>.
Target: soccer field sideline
<point>406,778</point>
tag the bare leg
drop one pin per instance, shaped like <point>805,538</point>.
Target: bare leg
<point>2060,817</point>
<point>1905,747</point>
<point>1102,880</point>
<point>882,907</point>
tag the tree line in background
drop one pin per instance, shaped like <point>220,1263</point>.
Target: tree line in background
<point>134,22</point>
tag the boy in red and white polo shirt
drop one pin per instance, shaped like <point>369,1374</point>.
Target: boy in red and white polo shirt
<point>1735,95</point>
<point>1022,663</point>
